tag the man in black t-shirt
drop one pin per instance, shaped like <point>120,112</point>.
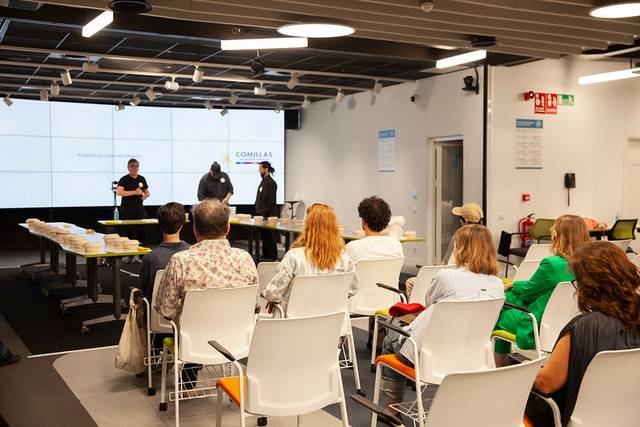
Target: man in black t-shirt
<point>215,184</point>
<point>133,189</point>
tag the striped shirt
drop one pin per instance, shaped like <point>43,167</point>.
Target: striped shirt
<point>454,284</point>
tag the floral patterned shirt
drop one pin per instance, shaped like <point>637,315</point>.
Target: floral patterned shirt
<point>207,264</point>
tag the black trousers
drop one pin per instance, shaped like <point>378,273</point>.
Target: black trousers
<point>269,247</point>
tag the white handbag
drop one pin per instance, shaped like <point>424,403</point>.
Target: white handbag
<point>132,347</point>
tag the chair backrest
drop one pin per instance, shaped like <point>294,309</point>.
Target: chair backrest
<point>541,229</point>
<point>623,229</point>
<point>502,407</point>
<point>526,269</point>
<point>561,308</point>
<point>226,315</point>
<point>622,244</point>
<point>293,365</point>
<point>266,271</point>
<point>504,244</point>
<point>452,259</point>
<point>157,323</point>
<point>538,251</point>
<point>458,338</point>
<point>370,297</point>
<point>317,295</point>
<point>635,258</point>
<point>423,282</point>
<point>609,390</point>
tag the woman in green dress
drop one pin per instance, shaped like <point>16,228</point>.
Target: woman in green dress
<point>568,232</point>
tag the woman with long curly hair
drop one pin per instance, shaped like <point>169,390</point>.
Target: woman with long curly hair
<point>607,285</point>
<point>318,251</point>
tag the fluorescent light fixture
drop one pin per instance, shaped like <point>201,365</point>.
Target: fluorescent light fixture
<point>135,101</point>
<point>615,9</point>
<point>260,90</point>
<point>316,30</point>
<point>293,81</point>
<point>233,98</point>
<point>7,100</point>
<point>55,89</point>
<point>208,105</point>
<point>607,77</point>
<point>339,96</point>
<point>306,103</point>
<point>377,87</point>
<point>119,106</point>
<point>151,94</point>
<point>172,84</point>
<point>90,67</point>
<point>224,111</point>
<point>476,55</point>
<point>98,23</point>
<point>44,95</point>
<point>198,75</point>
<point>66,78</point>
<point>265,43</point>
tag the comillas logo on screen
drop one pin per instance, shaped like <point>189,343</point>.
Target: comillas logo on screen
<point>252,157</point>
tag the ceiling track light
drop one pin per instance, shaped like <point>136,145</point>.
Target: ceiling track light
<point>615,9</point>
<point>306,103</point>
<point>260,90</point>
<point>224,111</point>
<point>172,84</point>
<point>293,81</point>
<point>151,94</point>
<point>339,96</point>
<point>97,23</point>
<point>90,67</point>
<point>44,95</point>
<point>135,101</point>
<point>208,105</point>
<point>377,87</point>
<point>8,101</point>
<point>198,75</point>
<point>66,78</point>
<point>119,106</point>
<point>427,5</point>
<point>233,98</point>
<point>278,107</point>
<point>55,89</point>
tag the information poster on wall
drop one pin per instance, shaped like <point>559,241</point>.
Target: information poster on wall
<point>529,143</point>
<point>387,150</point>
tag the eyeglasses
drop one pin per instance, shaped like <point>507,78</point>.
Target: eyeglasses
<point>574,284</point>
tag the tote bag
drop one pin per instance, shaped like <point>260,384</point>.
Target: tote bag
<point>132,347</point>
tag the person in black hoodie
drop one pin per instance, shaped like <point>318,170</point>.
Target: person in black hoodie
<point>266,206</point>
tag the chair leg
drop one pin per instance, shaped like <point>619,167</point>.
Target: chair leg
<point>376,394</point>
<point>354,362</point>
<point>343,405</point>
<point>176,387</point>
<point>219,407</point>
<point>419,402</point>
<point>151,391</point>
<point>243,419</point>
<point>163,381</point>
<point>298,420</point>
<point>374,347</point>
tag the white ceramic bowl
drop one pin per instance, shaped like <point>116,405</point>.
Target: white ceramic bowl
<point>410,234</point>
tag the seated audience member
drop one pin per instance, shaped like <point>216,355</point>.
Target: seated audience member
<point>607,286</point>
<point>568,232</point>
<point>171,218</point>
<point>318,251</point>
<point>469,213</point>
<point>375,215</point>
<point>6,357</point>
<point>475,278</point>
<point>210,263</point>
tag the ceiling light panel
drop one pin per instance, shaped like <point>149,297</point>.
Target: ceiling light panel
<point>98,23</point>
<point>264,43</point>
<point>316,30</point>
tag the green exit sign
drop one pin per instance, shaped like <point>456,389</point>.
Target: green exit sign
<point>566,99</point>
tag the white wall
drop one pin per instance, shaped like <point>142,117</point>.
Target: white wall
<point>588,139</point>
<point>334,157</point>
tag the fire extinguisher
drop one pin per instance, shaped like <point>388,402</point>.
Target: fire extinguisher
<point>524,229</point>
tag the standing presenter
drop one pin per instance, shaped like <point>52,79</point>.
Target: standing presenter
<point>134,190</point>
<point>266,206</point>
<point>215,184</point>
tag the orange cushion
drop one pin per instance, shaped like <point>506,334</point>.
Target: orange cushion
<point>231,386</point>
<point>527,422</point>
<point>392,361</point>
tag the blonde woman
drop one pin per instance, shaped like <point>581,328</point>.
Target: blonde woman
<point>567,234</point>
<point>318,251</point>
<point>475,278</point>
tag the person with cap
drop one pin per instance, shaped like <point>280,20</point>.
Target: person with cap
<point>215,184</point>
<point>266,206</point>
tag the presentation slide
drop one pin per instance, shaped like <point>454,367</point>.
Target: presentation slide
<point>58,154</point>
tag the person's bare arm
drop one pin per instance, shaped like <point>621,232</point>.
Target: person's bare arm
<point>226,198</point>
<point>553,375</point>
<point>146,194</point>
<point>120,191</point>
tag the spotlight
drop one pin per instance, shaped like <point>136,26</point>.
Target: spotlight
<point>233,98</point>
<point>293,81</point>
<point>224,111</point>
<point>278,107</point>
<point>427,6</point>
<point>44,95</point>
<point>55,89</point>
<point>306,103</point>
<point>198,75</point>
<point>208,105</point>
<point>339,96</point>
<point>172,84</point>
<point>7,100</point>
<point>66,78</point>
<point>119,106</point>
<point>135,101</point>
<point>257,67</point>
<point>151,94</point>
<point>377,87</point>
<point>260,90</point>
<point>90,67</point>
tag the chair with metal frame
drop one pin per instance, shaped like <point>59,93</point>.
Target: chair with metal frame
<point>540,231</point>
<point>623,229</point>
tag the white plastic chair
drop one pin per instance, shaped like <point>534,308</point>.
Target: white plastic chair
<point>607,392</point>
<point>538,251</point>
<point>526,269</point>
<point>292,369</point>
<point>622,244</point>
<point>457,339</point>
<point>370,297</point>
<point>225,314</point>
<point>266,271</point>
<point>635,258</point>
<point>561,308</point>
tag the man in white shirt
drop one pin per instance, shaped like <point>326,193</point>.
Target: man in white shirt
<point>375,215</point>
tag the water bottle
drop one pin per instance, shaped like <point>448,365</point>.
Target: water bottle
<point>116,214</point>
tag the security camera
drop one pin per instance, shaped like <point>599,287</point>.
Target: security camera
<point>414,98</point>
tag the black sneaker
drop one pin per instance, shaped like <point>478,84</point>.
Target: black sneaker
<point>10,359</point>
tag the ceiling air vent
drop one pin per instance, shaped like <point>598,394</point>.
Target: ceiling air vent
<point>482,41</point>
<point>130,6</point>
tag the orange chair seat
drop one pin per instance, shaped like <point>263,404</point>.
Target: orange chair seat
<point>392,361</point>
<point>231,386</point>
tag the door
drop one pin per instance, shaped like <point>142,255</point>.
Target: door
<point>448,194</point>
<point>632,180</point>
